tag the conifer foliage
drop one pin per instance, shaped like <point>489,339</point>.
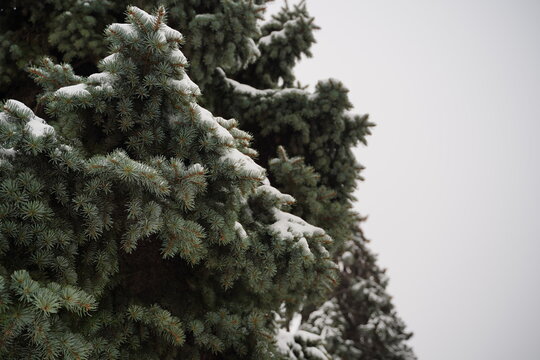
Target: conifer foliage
<point>146,212</point>
<point>142,220</point>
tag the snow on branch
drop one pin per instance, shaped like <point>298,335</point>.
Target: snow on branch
<point>245,89</point>
<point>73,90</point>
<point>243,162</point>
<point>36,126</point>
<point>280,34</point>
<point>269,189</point>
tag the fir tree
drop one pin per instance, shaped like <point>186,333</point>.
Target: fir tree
<point>137,110</point>
<point>359,320</point>
<point>220,34</point>
<point>144,210</point>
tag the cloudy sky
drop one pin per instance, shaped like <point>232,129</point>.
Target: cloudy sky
<point>453,170</point>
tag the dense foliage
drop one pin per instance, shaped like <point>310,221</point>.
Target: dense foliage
<point>137,221</point>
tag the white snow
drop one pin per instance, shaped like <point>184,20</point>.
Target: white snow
<point>38,127</point>
<point>295,322</point>
<point>240,230</point>
<point>307,337</point>
<point>14,106</point>
<point>290,24</point>
<point>166,33</point>
<point>251,91</point>
<point>105,79</point>
<point>160,35</point>
<point>109,59</point>
<point>142,15</point>
<point>178,57</point>
<point>171,34</point>
<point>315,353</point>
<point>289,226</point>
<point>269,189</point>
<point>245,89</point>
<point>253,47</point>
<point>304,247</point>
<point>206,16</point>
<point>282,92</point>
<point>266,40</point>
<point>254,51</point>
<point>73,90</point>
<point>243,161</point>
<point>348,258</point>
<point>35,125</point>
<point>185,85</point>
<point>289,342</point>
<point>7,152</point>
<point>213,125</point>
<point>228,124</point>
<point>128,30</point>
<point>284,339</point>
<point>102,77</point>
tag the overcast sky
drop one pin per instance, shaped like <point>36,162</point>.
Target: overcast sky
<point>453,170</point>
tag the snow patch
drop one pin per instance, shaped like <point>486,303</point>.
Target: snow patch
<point>253,47</point>
<point>315,353</point>
<point>7,152</point>
<point>289,226</point>
<point>17,107</point>
<point>240,230</point>
<point>304,248</point>
<point>272,191</point>
<point>253,51</point>
<point>178,57</point>
<point>171,34</point>
<point>243,161</point>
<point>205,17</point>
<point>73,90</point>
<point>279,34</point>
<point>109,59</point>
<point>284,340</point>
<point>274,35</point>
<point>127,30</point>
<point>289,341</point>
<point>142,15</point>
<point>35,125</point>
<point>251,91</point>
<point>185,85</point>
<point>213,125</point>
<point>102,77</point>
<point>38,127</point>
<point>245,89</point>
<point>105,79</point>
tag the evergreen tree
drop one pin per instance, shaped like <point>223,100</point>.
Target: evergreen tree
<point>359,320</point>
<point>145,211</point>
<point>133,108</point>
<point>220,34</point>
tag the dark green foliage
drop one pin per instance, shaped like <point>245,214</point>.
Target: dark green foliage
<point>220,34</point>
<point>188,246</point>
<point>283,41</point>
<point>141,228</point>
<point>358,320</point>
<point>313,125</point>
<point>315,203</point>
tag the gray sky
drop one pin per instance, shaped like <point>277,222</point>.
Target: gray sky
<point>452,178</point>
